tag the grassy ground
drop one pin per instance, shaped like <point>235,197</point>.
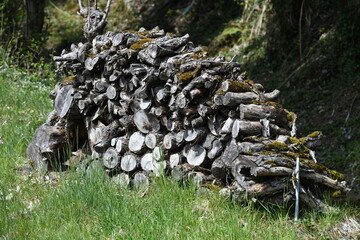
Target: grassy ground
<point>79,205</point>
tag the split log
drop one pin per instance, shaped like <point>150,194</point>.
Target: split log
<point>169,141</point>
<point>175,160</point>
<point>121,179</point>
<point>141,181</point>
<point>64,100</point>
<point>146,122</point>
<point>146,162</point>
<point>137,142</point>
<point>112,130</point>
<point>218,169</point>
<point>196,155</point>
<point>111,158</point>
<point>128,163</point>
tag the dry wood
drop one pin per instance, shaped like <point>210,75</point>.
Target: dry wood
<point>111,158</point>
<point>128,162</point>
<point>196,155</point>
<point>137,142</point>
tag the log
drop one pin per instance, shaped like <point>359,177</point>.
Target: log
<point>196,155</point>
<point>151,140</point>
<point>141,181</point>
<point>122,145</point>
<point>64,100</point>
<point>158,154</point>
<point>122,179</point>
<point>128,163</point>
<point>257,112</point>
<point>235,98</point>
<point>111,158</point>
<point>218,169</point>
<point>111,92</point>
<point>109,132</point>
<point>169,141</point>
<point>146,122</point>
<point>217,147</point>
<point>137,142</point>
<point>175,160</point>
<point>147,162</point>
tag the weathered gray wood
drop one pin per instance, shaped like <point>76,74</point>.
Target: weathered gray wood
<point>141,181</point>
<point>128,162</point>
<point>137,142</point>
<point>196,155</point>
<point>147,162</point>
<point>111,158</point>
<point>169,141</point>
<point>64,100</point>
<point>218,169</point>
<point>122,179</point>
<point>108,133</point>
<point>146,122</point>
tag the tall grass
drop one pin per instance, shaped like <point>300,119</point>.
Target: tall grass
<point>82,205</point>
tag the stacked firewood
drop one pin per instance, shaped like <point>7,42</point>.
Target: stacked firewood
<point>146,102</point>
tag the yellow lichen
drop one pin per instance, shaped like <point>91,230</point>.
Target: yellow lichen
<point>336,193</point>
<point>291,117</point>
<point>279,146</point>
<point>140,44</point>
<point>69,79</point>
<point>238,86</point>
<point>186,76</point>
<point>271,163</point>
<point>299,141</point>
<point>321,168</point>
<point>315,134</point>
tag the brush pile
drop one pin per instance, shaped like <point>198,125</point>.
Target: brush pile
<point>138,103</point>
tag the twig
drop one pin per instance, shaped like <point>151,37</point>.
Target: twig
<point>351,106</point>
<point>300,23</point>
<point>292,74</point>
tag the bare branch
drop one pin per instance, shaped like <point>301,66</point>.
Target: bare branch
<point>107,9</point>
<point>81,7</point>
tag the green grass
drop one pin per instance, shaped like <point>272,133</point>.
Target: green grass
<point>80,205</point>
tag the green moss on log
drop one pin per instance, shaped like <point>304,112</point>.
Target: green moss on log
<point>278,146</point>
<point>186,76</point>
<point>140,44</point>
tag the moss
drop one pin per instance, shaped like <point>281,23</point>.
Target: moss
<point>271,163</point>
<point>186,76</point>
<point>69,79</point>
<point>140,44</point>
<point>279,146</point>
<point>294,155</point>
<point>321,168</point>
<point>238,86</point>
<point>291,117</point>
<point>299,141</point>
<point>254,139</point>
<point>315,134</point>
<point>219,92</point>
<point>200,55</point>
<point>336,193</point>
<point>249,81</point>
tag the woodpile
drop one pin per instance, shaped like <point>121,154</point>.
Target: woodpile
<point>143,103</point>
